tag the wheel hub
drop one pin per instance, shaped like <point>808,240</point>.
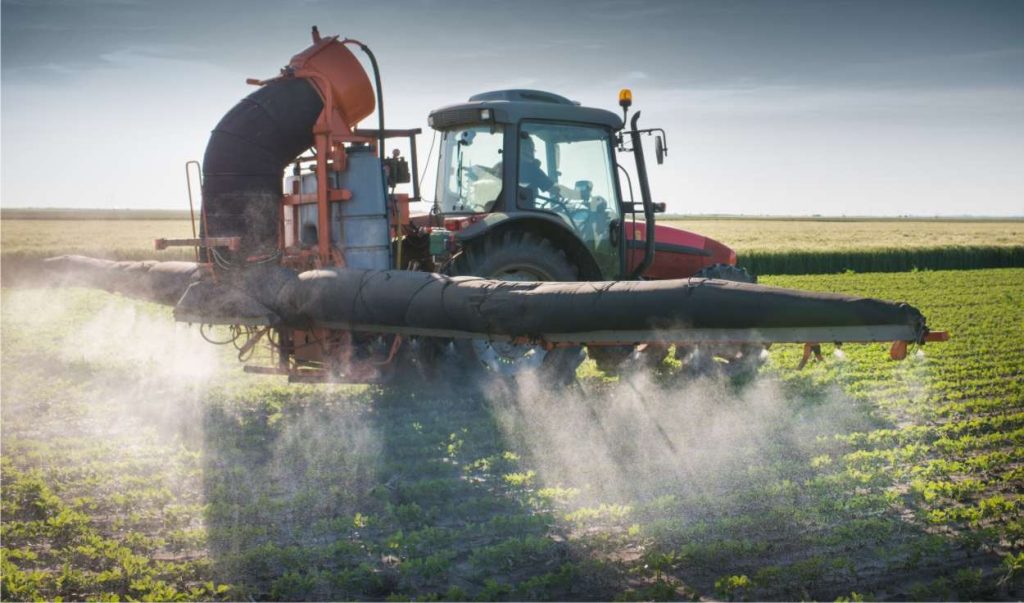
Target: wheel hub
<point>507,358</point>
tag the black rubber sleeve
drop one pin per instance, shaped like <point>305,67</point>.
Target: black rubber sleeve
<point>245,157</point>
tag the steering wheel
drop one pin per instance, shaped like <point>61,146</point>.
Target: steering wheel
<point>554,202</point>
<point>577,216</point>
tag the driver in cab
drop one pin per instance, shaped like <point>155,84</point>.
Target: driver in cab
<point>533,180</point>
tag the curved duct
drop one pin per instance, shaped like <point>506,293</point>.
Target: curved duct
<point>256,140</point>
<point>246,156</point>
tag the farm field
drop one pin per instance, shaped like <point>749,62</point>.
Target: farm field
<point>748,235</point>
<point>139,462</point>
<point>764,246</point>
<point>120,239</point>
<point>119,235</point>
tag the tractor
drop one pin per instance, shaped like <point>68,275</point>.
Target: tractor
<point>535,247</point>
<point>556,211</point>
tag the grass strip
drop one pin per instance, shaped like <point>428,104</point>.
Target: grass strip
<point>882,260</point>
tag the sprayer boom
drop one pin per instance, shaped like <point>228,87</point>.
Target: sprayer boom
<point>406,304</point>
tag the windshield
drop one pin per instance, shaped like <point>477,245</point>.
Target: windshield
<point>470,169</point>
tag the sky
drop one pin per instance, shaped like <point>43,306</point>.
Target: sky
<point>777,107</point>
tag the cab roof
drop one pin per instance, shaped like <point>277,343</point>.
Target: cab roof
<point>513,106</point>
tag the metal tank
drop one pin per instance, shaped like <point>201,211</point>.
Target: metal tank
<point>359,226</point>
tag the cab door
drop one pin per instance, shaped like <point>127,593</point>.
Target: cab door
<point>569,170</point>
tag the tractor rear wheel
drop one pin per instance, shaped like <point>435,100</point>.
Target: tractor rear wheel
<point>518,256</point>
<point>740,360</point>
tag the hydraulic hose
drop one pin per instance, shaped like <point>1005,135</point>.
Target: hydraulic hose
<point>380,127</point>
<point>380,94</point>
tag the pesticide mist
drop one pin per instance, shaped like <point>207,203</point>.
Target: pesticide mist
<point>102,400</point>
<point>165,447</point>
<point>638,439</point>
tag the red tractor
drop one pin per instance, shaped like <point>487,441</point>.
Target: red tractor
<point>557,210</point>
<point>563,185</point>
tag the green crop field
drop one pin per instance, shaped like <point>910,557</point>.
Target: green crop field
<point>139,462</point>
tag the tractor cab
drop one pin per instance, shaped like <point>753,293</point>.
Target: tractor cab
<point>537,162</point>
<point>535,158</point>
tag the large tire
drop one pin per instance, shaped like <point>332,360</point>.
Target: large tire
<point>741,360</point>
<point>518,256</point>
<point>513,256</point>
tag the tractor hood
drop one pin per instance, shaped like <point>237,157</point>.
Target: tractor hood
<point>678,253</point>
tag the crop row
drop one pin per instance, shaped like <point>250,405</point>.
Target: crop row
<point>895,259</point>
<point>950,443</point>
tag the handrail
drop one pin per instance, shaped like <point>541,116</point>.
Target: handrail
<point>191,205</point>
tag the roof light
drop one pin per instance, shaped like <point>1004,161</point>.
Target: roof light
<point>625,98</point>
<point>485,114</point>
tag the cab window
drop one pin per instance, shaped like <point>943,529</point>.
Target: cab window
<point>471,158</point>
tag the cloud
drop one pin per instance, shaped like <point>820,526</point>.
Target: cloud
<point>807,100</point>
<point>136,53</point>
<point>511,83</point>
<point>638,11</point>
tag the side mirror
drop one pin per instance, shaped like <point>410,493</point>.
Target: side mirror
<point>659,149</point>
